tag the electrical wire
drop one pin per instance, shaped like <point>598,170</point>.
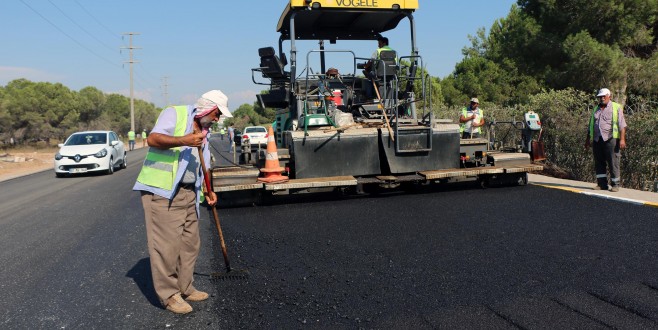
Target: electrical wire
<point>66,34</point>
<point>80,27</point>
<point>97,21</point>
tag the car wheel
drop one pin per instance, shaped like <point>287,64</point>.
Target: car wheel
<point>124,162</point>
<point>110,167</point>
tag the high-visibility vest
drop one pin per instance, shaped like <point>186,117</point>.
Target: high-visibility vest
<point>462,126</point>
<point>615,121</point>
<point>131,135</point>
<point>380,50</point>
<point>161,165</point>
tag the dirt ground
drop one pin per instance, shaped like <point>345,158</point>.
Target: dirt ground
<point>13,164</point>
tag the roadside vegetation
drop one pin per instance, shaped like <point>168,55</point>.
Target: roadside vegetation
<point>546,56</point>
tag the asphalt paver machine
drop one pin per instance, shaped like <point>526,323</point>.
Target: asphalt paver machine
<point>357,129</point>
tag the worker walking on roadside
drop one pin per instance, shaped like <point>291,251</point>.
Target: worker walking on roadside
<point>222,132</point>
<point>170,184</point>
<point>131,140</point>
<point>606,134</point>
<point>471,120</point>
<point>231,138</point>
<point>143,138</point>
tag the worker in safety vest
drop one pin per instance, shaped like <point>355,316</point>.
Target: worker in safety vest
<point>131,140</point>
<point>222,132</point>
<point>143,138</point>
<point>382,45</point>
<point>471,120</point>
<point>607,131</point>
<point>170,184</point>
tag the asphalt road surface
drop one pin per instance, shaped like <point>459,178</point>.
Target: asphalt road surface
<point>73,255</point>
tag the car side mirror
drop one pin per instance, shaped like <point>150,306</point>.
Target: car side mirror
<point>60,145</point>
<point>114,143</point>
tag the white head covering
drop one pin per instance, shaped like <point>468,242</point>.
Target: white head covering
<point>210,101</point>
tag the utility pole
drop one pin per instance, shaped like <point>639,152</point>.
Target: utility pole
<point>165,93</point>
<point>132,98</point>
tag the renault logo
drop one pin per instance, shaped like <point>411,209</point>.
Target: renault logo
<point>77,158</point>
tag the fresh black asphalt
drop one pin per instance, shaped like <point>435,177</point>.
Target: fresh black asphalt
<point>74,256</point>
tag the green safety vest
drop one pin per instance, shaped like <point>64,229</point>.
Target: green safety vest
<point>143,134</point>
<point>462,126</point>
<point>161,165</point>
<point>379,50</point>
<point>615,121</point>
<point>131,135</point>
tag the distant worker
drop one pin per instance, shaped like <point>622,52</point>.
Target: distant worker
<point>131,140</point>
<point>471,120</point>
<point>170,183</point>
<point>222,132</point>
<point>143,138</point>
<point>231,138</point>
<point>607,129</point>
<point>382,45</point>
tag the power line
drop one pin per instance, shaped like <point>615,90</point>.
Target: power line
<point>64,33</point>
<point>79,26</point>
<point>97,21</point>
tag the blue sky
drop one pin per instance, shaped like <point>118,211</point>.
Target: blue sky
<point>197,45</point>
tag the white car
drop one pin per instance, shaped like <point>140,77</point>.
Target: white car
<point>257,135</point>
<point>90,151</point>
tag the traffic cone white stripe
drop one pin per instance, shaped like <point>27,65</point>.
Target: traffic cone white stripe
<point>272,168</point>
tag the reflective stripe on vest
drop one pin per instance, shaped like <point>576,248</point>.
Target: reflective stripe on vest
<point>161,165</point>
<point>615,121</point>
<point>462,126</point>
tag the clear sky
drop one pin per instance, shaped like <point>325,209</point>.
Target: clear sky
<point>188,47</point>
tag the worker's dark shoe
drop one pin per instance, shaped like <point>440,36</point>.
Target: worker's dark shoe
<point>614,189</point>
<point>597,187</point>
<point>177,305</point>
<point>197,296</point>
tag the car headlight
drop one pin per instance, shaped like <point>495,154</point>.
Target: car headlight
<point>101,154</point>
<point>58,156</point>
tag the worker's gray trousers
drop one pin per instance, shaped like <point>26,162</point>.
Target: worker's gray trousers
<point>606,153</point>
<point>172,230</point>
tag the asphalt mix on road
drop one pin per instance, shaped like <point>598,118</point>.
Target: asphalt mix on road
<point>506,256</point>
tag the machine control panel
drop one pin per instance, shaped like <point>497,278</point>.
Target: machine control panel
<point>532,121</point>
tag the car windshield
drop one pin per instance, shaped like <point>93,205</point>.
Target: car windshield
<point>87,138</point>
<point>255,130</point>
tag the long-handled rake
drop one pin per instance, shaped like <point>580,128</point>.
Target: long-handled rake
<point>230,274</point>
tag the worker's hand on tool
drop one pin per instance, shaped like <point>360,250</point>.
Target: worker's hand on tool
<point>211,198</point>
<point>193,139</point>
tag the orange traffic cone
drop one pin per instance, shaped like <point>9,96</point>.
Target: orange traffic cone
<point>272,169</point>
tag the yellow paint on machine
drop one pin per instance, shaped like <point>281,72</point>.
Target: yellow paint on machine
<point>368,4</point>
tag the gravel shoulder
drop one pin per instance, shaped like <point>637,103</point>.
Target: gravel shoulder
<point>15,164</point>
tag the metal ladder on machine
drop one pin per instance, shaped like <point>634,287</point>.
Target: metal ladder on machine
<point>413,137</point>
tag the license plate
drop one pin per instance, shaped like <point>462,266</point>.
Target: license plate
<point>78,170</point>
